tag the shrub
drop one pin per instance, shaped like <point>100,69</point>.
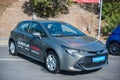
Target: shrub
<point>110,15</point>
<point>50,8</point>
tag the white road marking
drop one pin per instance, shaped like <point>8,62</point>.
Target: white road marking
<point>10,59</point>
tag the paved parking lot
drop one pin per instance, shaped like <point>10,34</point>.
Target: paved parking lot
<point>23,68</point>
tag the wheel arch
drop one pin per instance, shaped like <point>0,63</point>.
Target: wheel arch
<point>11,40</point>
<point>113,42</point>
<point>50,49</point>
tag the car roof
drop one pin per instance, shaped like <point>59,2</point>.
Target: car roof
<point>116,30</point>
<point>42,21</point>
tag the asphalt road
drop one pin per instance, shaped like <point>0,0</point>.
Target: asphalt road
<point>23,68</point>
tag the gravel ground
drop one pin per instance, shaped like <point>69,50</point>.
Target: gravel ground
<point>4,4</point>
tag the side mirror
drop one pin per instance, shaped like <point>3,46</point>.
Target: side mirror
<point>37,34</point>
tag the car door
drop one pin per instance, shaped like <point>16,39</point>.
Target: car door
<point>22,28</point>
<point>36,44</point>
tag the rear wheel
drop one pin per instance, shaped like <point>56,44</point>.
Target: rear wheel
<point>114,48</point>
<point>52,62</point>
<point>12,48</point>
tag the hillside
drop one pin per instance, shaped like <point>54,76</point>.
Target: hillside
<point>4,4</point>
<point>17,11</point>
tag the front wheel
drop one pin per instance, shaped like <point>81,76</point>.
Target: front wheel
<point>52,62</point>
<point>12,48</point>
<point>114,48</point>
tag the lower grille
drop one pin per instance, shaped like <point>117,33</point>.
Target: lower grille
<point>87,62</point>
<point>89,65</point>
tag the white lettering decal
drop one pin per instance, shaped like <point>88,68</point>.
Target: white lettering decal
<point>34,51</point>
<point>20,43</point>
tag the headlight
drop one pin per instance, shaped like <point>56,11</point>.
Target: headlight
<point>71,51</point>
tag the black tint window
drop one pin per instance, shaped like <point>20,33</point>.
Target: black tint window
<point>35,27</point>
<point>23,26</point>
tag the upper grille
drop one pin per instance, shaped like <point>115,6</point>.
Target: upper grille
<point>96,52</point>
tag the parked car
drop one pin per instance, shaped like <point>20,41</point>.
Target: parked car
<point>57,44</point>
<point>113,42</point>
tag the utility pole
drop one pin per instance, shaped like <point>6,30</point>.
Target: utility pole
<point>33,14</point>
<point>100,18</point>
<point>34,17</point>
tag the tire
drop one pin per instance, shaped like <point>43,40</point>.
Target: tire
<point>114,48</point>
<point>12,48</point>
<point>52,62</point>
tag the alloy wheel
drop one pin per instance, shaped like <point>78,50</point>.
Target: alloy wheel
<point>51,62</point>
<point>114,48</point>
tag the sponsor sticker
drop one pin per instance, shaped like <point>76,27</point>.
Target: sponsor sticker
<point>34,48</point>
<point>20,43</point>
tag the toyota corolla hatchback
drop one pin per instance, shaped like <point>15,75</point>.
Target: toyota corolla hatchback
<point>59,45</point>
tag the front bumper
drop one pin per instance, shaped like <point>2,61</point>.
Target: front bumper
<point>86,63</point>
<point>83,63</point>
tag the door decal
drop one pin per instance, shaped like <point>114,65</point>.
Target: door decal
<point>34,48</point>
<point>22,44</point>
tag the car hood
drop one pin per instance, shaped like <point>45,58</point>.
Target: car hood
<point>82,42</point>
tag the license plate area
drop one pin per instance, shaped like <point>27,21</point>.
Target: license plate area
<point>98,59</point>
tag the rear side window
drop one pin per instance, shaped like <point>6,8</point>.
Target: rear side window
<point>23,26</point>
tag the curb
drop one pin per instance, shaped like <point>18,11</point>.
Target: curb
<point>4,40</point>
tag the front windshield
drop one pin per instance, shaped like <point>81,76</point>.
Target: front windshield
<point>62,29</point>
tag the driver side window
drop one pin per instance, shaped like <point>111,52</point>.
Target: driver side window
<point>35,27</point>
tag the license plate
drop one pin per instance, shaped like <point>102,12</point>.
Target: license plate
<point>98,59</point>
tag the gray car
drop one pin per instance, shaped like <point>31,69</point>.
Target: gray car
<point>57,44</point>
